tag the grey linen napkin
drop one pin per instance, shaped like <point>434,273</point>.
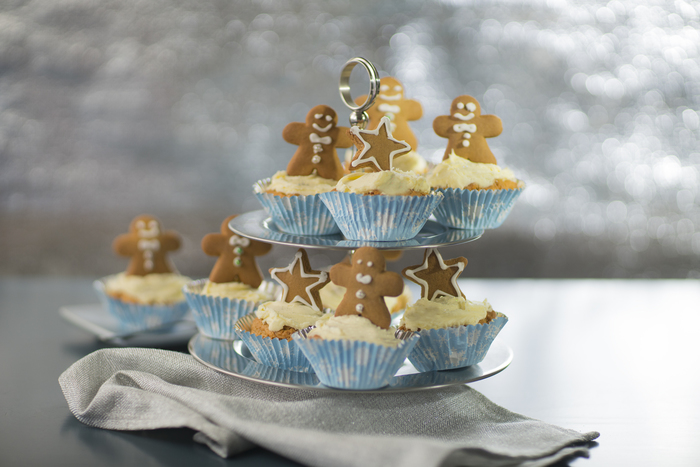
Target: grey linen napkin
<point>144,389</point>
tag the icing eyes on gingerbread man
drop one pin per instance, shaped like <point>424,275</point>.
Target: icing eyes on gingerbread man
<point>466,130</point>
<point>236,254</point>
<point>367,282</point>
<point>147,245</point>
<point>317,139</point>
<point>390,102</point>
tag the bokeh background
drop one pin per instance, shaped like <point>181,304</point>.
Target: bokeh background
<point>111,108</point>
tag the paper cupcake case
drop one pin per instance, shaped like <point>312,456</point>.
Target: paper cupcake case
<point>379,217</point>
<point>279,353</point>
<point>138,317</point>
<point>347,364</point>
<point>216,316</point>
<point>298,215</point>
<point>475,209</point>
<point>456,347</point>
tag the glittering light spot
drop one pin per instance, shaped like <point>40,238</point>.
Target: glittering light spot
<point>691,119</point>
<point>545,229</point>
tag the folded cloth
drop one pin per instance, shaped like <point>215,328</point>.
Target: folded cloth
<point>144,389</point>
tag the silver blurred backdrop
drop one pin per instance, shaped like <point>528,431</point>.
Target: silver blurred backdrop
<point>111,108</point>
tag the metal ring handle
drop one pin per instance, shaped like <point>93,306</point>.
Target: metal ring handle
<point>359,116</point>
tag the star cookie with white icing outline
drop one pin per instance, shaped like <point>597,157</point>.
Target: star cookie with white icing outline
<point>300,283</point>
<point>436,276</point>
<point>376,149</point>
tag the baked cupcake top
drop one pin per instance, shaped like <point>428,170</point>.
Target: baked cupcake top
<point>392,182</point>
<point>457,172</point>
<point>151,289</point>
<point>354,328</point>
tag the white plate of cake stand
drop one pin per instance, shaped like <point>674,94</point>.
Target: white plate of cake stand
<point>233,357</point>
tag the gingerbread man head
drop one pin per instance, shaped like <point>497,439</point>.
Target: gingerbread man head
<point>390,89</point>
<point>466,130</point>
<point>317,139</point>
<point>236,254</point>
<point>147,245</point>
<point>367,283</point>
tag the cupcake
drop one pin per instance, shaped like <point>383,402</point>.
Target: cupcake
<point>268,331</point>
<point>454,332</point>
<point>357,348</point>
<point>149,293</point>
<point>477,193</point>
<point>235,286</point>
<point>291,197</point>
<point>386,204</point>
<point>391,103</point>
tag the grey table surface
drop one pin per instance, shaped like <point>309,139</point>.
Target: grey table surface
<point>616,356</point>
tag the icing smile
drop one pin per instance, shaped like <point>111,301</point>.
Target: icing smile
<point>323,129</point>
<point>388,97</point>
<point>458,115</point>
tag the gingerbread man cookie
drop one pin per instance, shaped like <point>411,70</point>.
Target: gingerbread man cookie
<point>317,140</point>
<point>147,245</point>
<point>466,130</point>
<point>236,254</point>
<point>391,103</point>
<point>436,276</point>
<point>300,283</point>
<point>367,282</point>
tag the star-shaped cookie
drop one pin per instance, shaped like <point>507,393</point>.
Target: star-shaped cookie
<point>299,282</point>
<point>436,276</point>
<point>376,149</point>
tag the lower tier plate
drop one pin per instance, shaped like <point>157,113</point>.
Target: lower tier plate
<point>233,358</point>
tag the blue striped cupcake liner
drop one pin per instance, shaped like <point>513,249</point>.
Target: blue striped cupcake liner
<point>475,209</point>
<point>138,317</point>
<point>380,217</point>
<point>296,214</point>
<point>347,364</point>
<point>456,347</point>
<point>216,316</point>
<point>279,353</point>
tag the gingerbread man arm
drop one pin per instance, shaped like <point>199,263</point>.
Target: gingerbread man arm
<point>413,109</point>
<point>125,245</point>
<point>337,273</point>
<point>442,124</point>
<point>490,125</point>
<point>294,133</point>
<point>259,248</point>
<point>343,140</point>
<point>213,244</point>
<point>170,241</point>
<point>390,283</point>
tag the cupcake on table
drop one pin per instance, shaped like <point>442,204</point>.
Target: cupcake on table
<point>478,193</point>
<point>391,103</point>
<point>291,197</point>
<point>149,293</point>
<point>357,348</point>
<point>235,286</point>
<point>268,332</point>
<point>455,332</point>
<point>381,202</point>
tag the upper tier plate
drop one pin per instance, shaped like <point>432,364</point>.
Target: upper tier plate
<point>258,226</point>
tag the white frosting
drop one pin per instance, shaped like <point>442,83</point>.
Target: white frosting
<point>457,172</point>
<point>303,185</point>
<point>277,315</point>
<point>354,328</point>
<point>444,312</point>
<point>235,290</point>
<point>149,289</point>
<point>392,182</point>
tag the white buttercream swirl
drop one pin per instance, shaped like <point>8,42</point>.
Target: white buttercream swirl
<point>235,290</point>
<point>163,288</point>
<point>296,315</point>
<point>457,172</point>
<point>354,328</point>
<point>392,182</point>
<point>444,312</point>
<point>303,185</point>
